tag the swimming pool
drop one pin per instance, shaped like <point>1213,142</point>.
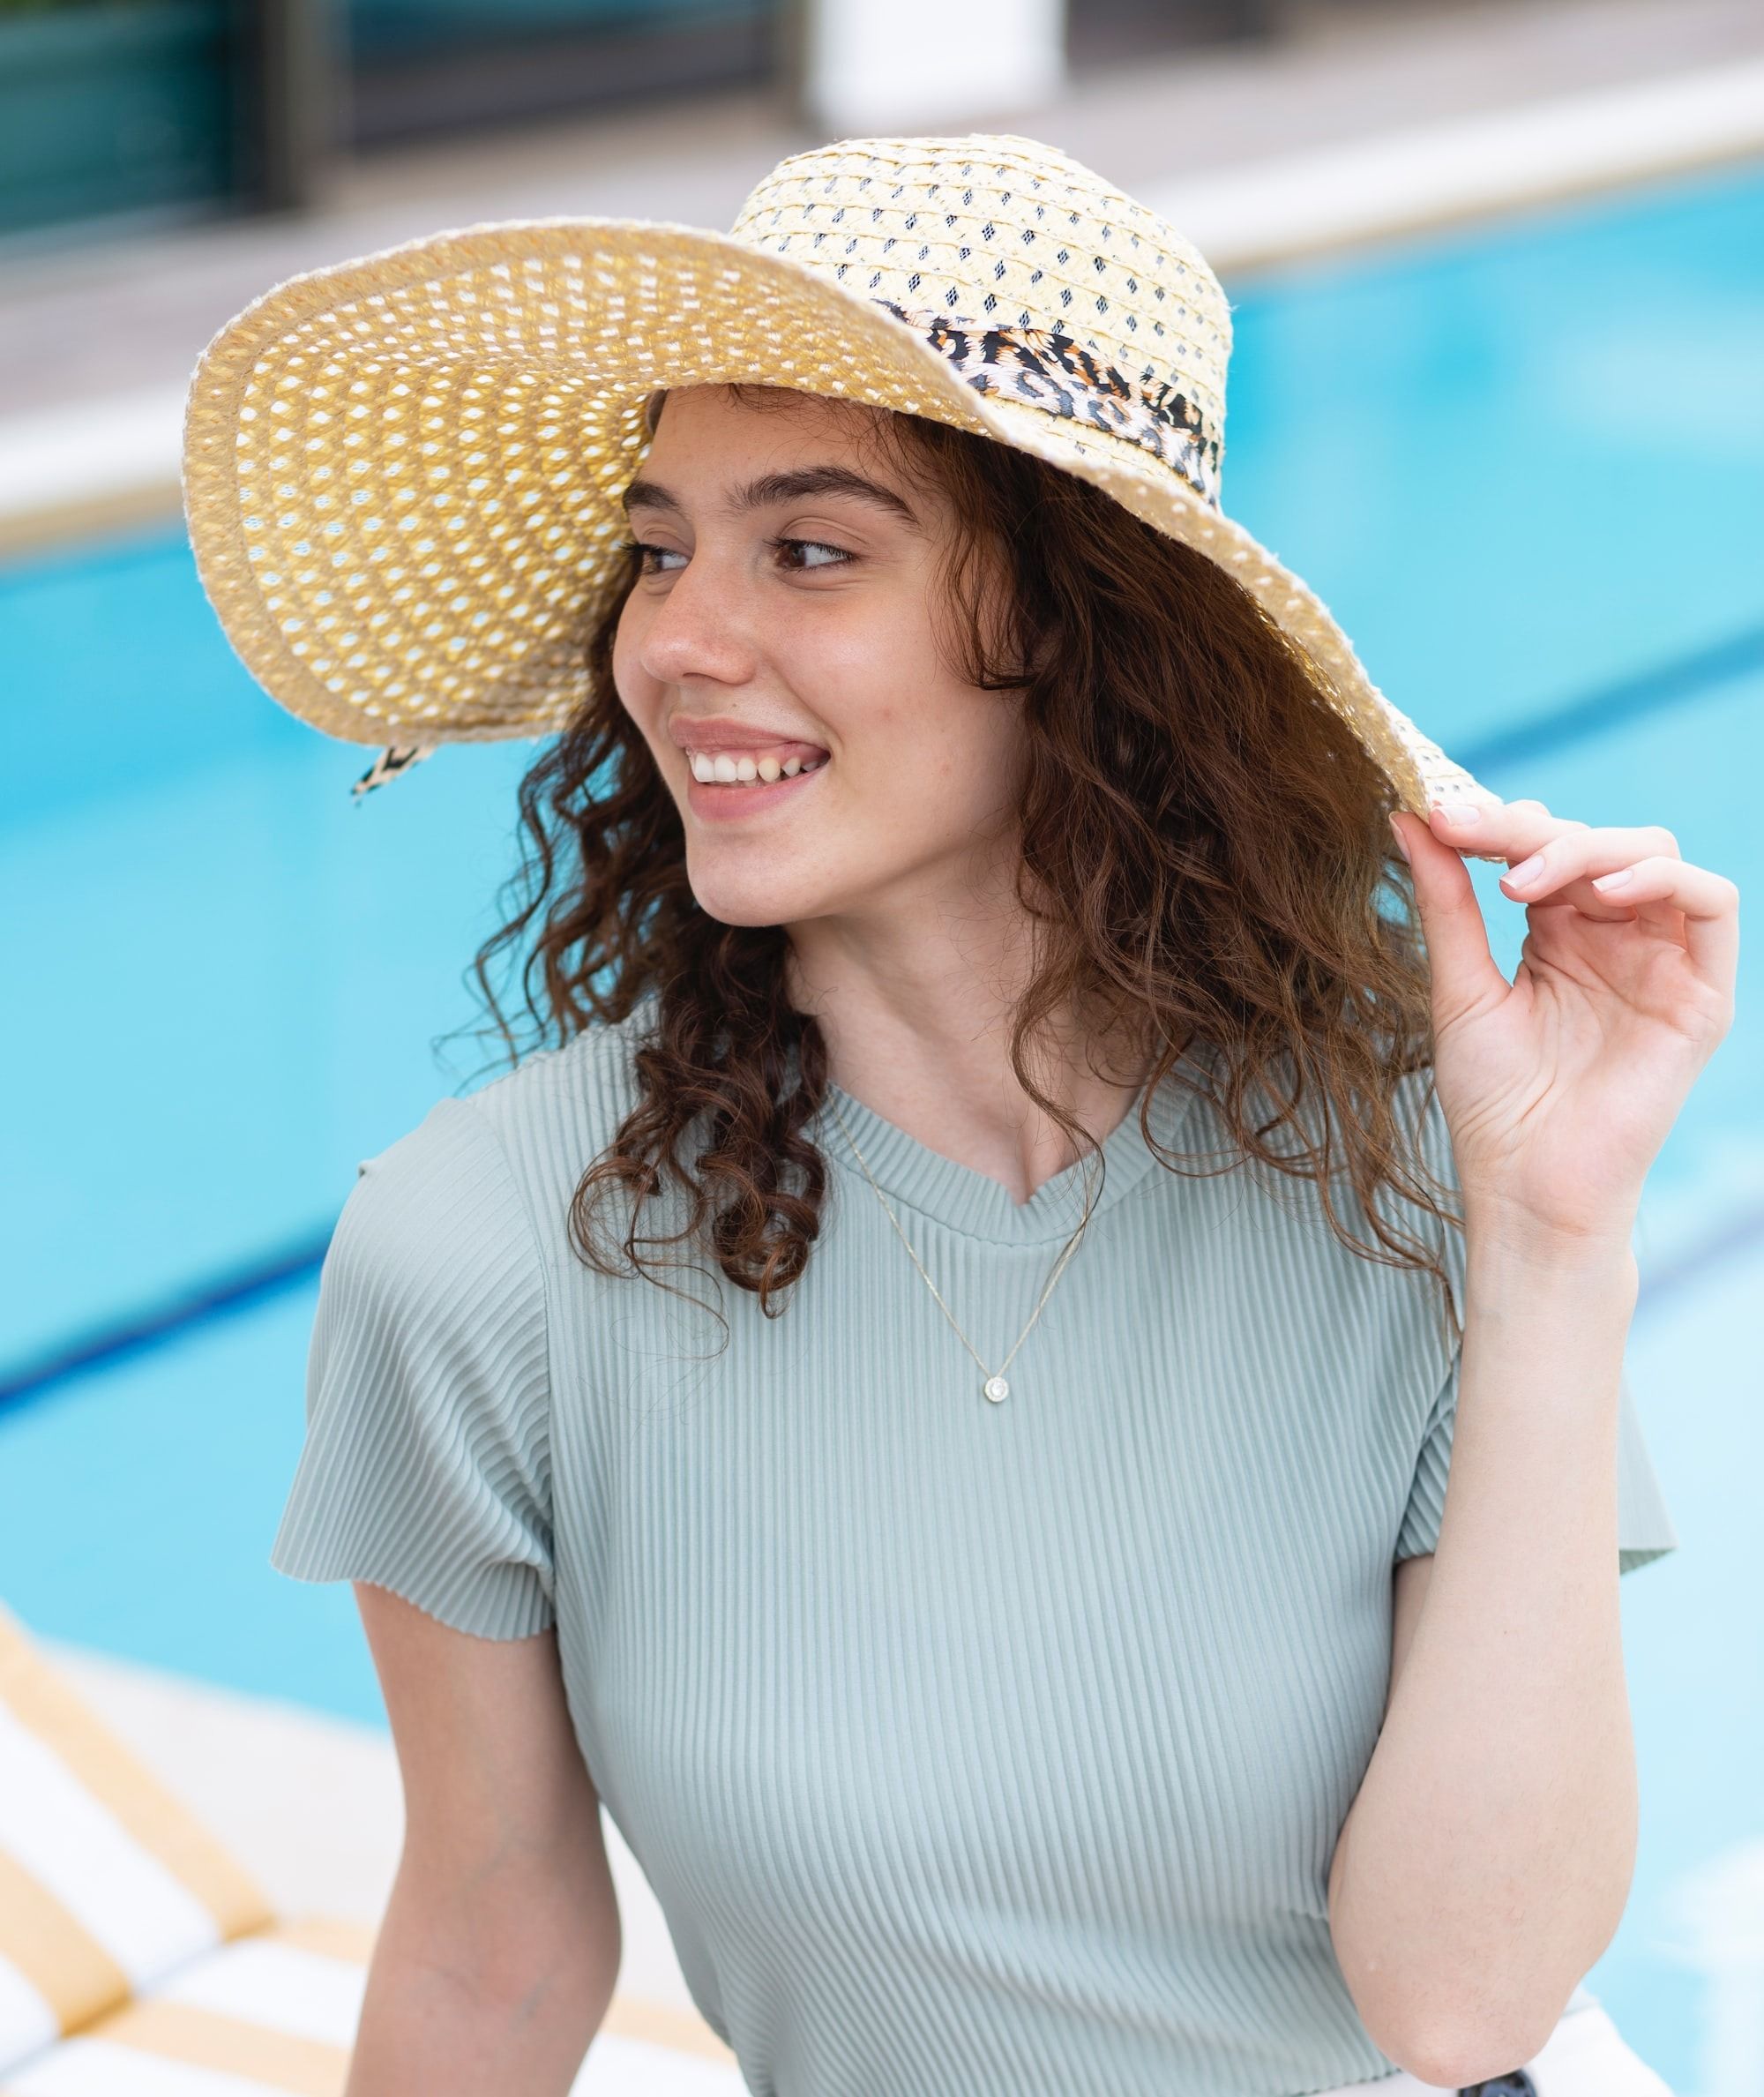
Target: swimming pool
<point>1524,465</point>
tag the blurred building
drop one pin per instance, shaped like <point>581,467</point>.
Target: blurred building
<point>116,114</point>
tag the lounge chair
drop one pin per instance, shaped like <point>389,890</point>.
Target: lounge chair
<point>139,1958</point>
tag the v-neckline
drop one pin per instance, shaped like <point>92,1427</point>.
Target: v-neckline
<point>964,1199</point>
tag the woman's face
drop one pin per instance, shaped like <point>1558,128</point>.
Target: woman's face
<point>777,652</point>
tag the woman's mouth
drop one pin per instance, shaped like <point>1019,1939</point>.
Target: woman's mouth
<point>728,783</point>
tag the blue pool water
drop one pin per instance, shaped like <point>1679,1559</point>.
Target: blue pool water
<point>1524,465</point>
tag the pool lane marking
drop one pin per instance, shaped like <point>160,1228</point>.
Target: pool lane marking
<point>206,1305</point>
<point>1613,705</point>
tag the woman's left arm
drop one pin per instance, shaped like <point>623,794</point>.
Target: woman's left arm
<point>1488,1855</point>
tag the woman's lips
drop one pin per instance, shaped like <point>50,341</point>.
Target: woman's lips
<point>720,801</point>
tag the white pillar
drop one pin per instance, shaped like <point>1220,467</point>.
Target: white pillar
<point>874,68</point>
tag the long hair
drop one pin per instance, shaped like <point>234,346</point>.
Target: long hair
<point>1204,858</point>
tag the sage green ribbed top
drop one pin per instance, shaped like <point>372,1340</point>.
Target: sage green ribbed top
<point>972,1749</point>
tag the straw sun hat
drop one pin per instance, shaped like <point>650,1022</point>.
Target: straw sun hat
<point>401,474</point>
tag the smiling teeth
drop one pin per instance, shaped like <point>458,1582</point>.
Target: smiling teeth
<point>726,771</point>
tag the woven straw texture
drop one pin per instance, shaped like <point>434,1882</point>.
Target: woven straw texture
<point>401,474</point>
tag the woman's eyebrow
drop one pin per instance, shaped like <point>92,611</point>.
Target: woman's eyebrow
<point>773,487</point>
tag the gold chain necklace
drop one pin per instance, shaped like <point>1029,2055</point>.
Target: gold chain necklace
<point>995,1387</point>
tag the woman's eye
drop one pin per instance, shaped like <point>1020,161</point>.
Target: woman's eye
<point>790,548</point>
<point>650,558</point>
<point>802,554</point>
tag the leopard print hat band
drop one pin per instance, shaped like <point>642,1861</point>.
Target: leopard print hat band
<point>402,474</point>
<point>1049,369</point>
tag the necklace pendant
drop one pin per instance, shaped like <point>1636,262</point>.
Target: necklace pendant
<point>997,1389</point>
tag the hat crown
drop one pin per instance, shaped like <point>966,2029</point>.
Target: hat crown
<point>996,234</point>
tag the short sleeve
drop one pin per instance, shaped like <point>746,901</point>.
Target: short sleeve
<point>426,1467</point>
<point>1644,1528</point>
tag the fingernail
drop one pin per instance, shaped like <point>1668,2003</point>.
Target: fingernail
<point>1455,811</point>
<point>1525,871</point>
<point>1397,834</point>
<point>1614,880</point>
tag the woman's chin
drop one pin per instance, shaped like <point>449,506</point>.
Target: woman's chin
<point>758,897</point>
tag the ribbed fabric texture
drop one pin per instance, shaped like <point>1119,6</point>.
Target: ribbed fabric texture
<point>972,1750</point>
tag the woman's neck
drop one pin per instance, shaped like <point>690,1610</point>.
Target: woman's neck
<point>916,1013</point>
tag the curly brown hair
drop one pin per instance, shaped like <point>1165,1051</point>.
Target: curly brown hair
<point>1204,858</point>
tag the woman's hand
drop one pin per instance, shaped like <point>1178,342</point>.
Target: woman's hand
<point>1559,1088</point>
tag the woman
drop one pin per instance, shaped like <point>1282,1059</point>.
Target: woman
<point>932,1394</point>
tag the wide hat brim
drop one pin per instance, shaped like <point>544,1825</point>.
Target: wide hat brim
<point>401,474</point>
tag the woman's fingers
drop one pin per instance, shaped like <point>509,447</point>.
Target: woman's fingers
<point>1495,829</point>
<point>1580,853</point>
<point>1618,871</point>
<point>1549,854</point>
<point>1629,869</point>
<point>1463,969</point>
<point>1709,902</point>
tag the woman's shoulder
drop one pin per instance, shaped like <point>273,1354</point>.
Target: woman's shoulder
<point>1352,1258</point>
<point>509,1155</point>
<point>568,1099</point>
<point>1315,1119</point>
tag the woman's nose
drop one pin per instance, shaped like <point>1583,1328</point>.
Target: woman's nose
<point>699,628</point>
